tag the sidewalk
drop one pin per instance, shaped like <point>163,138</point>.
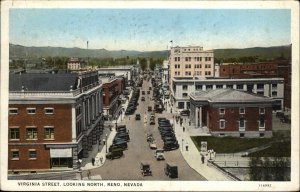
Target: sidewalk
<point>192,156</point>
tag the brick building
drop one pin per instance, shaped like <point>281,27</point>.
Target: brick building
<point>228,112</point>
<point>54,120</point>
<point>112,89</point>
<point>276,68</point>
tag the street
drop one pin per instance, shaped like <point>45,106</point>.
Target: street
<point>128,166</point>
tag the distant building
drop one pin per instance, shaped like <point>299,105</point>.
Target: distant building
<point>268,87</point>
<point>76,64</point>
<point>191,61</point>
<point>54,120</point>
<point>166,71</point>
<point>276,68</point>
<point>128,72</point>
<point>228,112</point>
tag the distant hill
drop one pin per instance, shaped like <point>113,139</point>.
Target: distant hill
<point>19,51</point>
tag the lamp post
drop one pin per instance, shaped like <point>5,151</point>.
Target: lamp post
<point>211,151</point>
<point>182,144</point>
<point>106,142</point>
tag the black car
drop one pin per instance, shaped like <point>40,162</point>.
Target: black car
<point>170,139</point>
<point>148,92</point>
<point>168,146</point>
<point>143,92</point>
<point>118,145</point>
<point>143,99</point>
<point>171,170</point>
<point>137,117</point>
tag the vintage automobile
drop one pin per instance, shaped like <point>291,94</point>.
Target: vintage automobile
<point>149,108</point>
<point>143,99</point>
<point>138,116</point>
<point>115,154</point>
<point>171,170</point>
<point>159,154</point>
<point>152,144</point>
<point>150,137</point>
<point>145,169</point>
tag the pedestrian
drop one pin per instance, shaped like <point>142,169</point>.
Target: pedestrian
<point>180,123</point>
<point>187,146</point>
<point>202,159</point>
<point>103,141</point>
<point>189,123</point>
<point>171,110</point>
<point>183,129</point>
<point>101,159</point>
<point>93,161</point>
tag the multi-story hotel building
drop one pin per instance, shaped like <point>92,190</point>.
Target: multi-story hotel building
<point>191,61</point>
<point>76,64</point>
<point>268,87</point>
<point>54,120</point>
<point>229,112</point>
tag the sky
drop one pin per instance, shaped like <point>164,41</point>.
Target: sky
<point>150,29</point>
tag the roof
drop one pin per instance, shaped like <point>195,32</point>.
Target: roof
<point>42,82</point>
<point>228,95</point>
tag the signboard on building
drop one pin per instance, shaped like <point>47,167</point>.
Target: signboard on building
<point>203,148</point>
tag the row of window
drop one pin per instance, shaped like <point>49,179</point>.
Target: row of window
<point>195,58</point>
<point>189,66</point>
<point>32,111</point>
<point>15,154</point>
<point>32,133</point>
<point>242,110</point>
<point>189,73</point>
<point>242,123</point>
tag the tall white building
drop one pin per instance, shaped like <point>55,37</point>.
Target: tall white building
<point>191,61</point>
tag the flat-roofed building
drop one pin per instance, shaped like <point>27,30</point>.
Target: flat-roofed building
<point>268,87</point>
<point>54,120</point>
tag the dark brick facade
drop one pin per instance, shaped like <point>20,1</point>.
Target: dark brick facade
<point>60,120</point>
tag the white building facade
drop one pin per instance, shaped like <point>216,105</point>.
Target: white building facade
<point>268,87</point>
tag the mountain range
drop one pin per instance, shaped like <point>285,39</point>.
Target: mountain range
<point>19,51</point>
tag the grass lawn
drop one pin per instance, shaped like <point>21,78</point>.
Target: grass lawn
<point>230,144</point>
<point>276,150</point>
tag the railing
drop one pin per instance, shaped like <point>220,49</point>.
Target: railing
<point>235,178</point>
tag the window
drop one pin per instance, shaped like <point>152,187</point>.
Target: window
<point>184,87</point>
<point>175,72</point>
<point>188,73</point>
<point>274,86</point>
<point>261,123</point>
<point>242,110</point>
<point>222,124</point>
<point>32,154</point>
<point>13,111</point>
<point>31,110</point>
<point>221,111</point>
<point>274,93</point>
<point>49,111</point>
<point>242,123</point>
<point>219,86</point>
<point>242,134</point>
<point>261,134</point>
<point>15,154</point>
<point>178,58</point>
<point>239,86</point>
<point>175,58</point>
<point>260,86</point>
<point>78,110</point>
<point>198,87</point>
<point>184,94</point>
<point>188,66</point>
<point>208,87</point>
<point>14,133</point>
<point>31,133</point>
<point>230,86</point>
<point>49,133</point>
<point>261,110</point>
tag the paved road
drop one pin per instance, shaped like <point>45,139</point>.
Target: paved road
<point>128,167</point>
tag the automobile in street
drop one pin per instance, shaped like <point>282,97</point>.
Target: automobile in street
<point>143,92</point>
<point>137,116</point>
<point>150,137</point>
<point>148,92</point>
<point>171,170</point>
<point>115,154</point>
<point>159,154</point>
<point>143,99</point>
<point>145,168</point>
<point>119,145</point>
<point>149,108</point>
<point>170,145</point>
<point>152,144</point>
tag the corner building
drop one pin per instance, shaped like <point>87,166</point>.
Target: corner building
<point>54,120</point>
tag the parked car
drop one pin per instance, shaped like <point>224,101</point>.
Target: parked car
<point>149,108</point>
<point>159,154</point>
<point>115,154</point>
<point>143,92</point>
<point>145,168</point>
<point>148,92</point>
<point>143,99</point>
<point>119,145</point>
<point>150,138</point>
<point>170,145</point>
<point>137,116</point>
<point>185,113</point>
<point>171,170</point>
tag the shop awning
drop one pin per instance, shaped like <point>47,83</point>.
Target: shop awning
<point>67,152</point>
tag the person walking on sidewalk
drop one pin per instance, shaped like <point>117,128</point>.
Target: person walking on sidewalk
<point>101,159</point>
<point>202,159</point>
<point>183,129</point>
<point>93,161</point>
<point>186,146</point>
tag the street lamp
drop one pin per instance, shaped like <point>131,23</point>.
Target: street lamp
<point>106,142</point>
<point>211,151</point>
